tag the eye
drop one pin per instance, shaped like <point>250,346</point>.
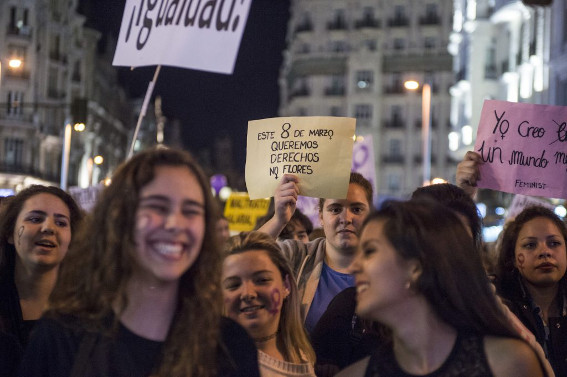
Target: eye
<point>529,245</point>
<point>368,251</point>
<point>190,212</point>
<point>61,223</point>
<point>231,286</point>
<point>555,243</point>
<point>263,280</point>
<point>159,208</point>
<point>357,210</point>
<point>335,210</point>
<point>34,219</point>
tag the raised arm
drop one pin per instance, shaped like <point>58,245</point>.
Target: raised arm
<point>285,199</point>
<point>468,173</point>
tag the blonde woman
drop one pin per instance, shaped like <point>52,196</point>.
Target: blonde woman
<point>261,295</point>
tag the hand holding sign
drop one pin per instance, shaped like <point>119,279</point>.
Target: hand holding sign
<point>316,149</point>
<point>524,148</point>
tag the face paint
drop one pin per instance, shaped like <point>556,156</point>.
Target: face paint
<point>520,260</point>
<point>143,222</point>
<point>276,299</point>
<point>20,232</point>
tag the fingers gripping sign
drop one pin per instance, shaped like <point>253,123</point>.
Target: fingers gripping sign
<point>468,172</point>
<point>285,197</point>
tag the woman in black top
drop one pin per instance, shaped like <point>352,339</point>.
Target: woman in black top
<point>418,273</point>
<point>140,293</point>
<point>532,280</point>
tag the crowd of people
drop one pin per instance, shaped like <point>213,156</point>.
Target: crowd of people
<point>150,283</point>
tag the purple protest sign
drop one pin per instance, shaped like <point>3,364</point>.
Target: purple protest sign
<point>524,148</point>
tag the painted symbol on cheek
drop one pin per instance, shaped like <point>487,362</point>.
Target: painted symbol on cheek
<point>143,222</point>
<point>20,232</point>
<point>276,299</point>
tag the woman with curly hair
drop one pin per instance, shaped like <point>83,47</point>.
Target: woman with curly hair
<point>532,281</point>
<point>261,295</point>
<point>137,295</point>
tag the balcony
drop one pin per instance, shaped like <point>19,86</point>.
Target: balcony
<point>398,22</point>
<point>393,159</point>
<point>367,23</point>
<point>337,24</point>
<point>24,31</point>
<point>300,92</point>
<point>335,91</point>
<point>303,27</point>
<point>394,89</point>
<point>431,19</point>
<point>434,123</point>
<point>394,123</point>
<point>21,74</point>
<point>419,159</point>
<point>24,169</point>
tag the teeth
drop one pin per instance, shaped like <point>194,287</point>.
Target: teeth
<point>168,249</point>
<point>45,243</point>
<point>361,288</point>
<point>250,309</point>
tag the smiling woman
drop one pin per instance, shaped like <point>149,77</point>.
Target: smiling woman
<point>135,296</point>
<point>261,295</point>
<point>36,227</point>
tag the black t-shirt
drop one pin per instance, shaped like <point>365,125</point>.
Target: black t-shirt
<point>55,343</point>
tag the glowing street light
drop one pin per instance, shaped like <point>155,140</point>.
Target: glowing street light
<point>15,63</point>
<point>425,126</point>
<point>66,151</point>
<point>98,160</point>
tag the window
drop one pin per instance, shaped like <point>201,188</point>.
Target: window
<point>431,11</point>
<point>394,182</point>
<point>15,103</point>
<point>370,44</point>
<point>338,46</point>
<point>395,147</point>
<point>399,44</point>
<point>363,112</point>
<point>336,111</point>
<point>399,12</point>
<point>13,151</point>
<point>429,42</point>
<point>364,79</point>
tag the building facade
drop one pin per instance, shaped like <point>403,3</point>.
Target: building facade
<point>352,57</point>
<point>49,61</point>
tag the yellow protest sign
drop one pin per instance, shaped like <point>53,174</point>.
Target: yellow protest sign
<point>242,212</point>
<point>316,149</point>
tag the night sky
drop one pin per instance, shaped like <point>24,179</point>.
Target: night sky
<point>210,104</point>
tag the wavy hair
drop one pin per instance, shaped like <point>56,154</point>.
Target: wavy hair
<point>11,210</point>
<point>453,279</point>
<point>507,273</point>
<point>95,275</point>
<point>292,338</point>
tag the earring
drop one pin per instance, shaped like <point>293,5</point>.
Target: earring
<point>408,285</point>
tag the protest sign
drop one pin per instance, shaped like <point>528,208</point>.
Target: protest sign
<point>522,201</point>
<point>316,149</point>
<point>242,213</point>
<point>202,35</point>
<point>524,148</point>
<point>86,197</point>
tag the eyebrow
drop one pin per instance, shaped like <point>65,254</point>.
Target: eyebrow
<point>43,213</point>
<point>163,198</point>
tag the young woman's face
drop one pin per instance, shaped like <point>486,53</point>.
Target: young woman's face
<point>170,225</point>
<point>540,254</point>
<point>254,292</point>
<point>381,276</point>
<point>42,232</point>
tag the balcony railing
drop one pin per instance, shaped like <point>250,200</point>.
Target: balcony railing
<point>24,31</point>
<point>393,159</point>
<point>431,19</point>
<point>304,27</point>
<point>367,22</point>
<point>398,22</point>
<point>394,123</point>
<point>338,24</point>
<point>335,91</point>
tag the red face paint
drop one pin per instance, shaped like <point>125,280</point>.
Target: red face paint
<point>276,299</point>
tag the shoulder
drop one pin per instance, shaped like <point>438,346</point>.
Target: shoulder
<point>357,369</point>
<point>511,357</point>
<point>239,349</point>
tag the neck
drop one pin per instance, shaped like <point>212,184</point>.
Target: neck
<point>339,260</point>
<point>422,342</point>
<point>34,288</point>
<point>150,309</point>
<point>544,298</point>
<point>269,345</point>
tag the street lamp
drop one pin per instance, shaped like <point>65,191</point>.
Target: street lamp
<point>425,127</point>
<point>15,63</point>
<point>79,127</point>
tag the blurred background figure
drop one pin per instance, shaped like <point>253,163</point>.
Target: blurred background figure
<point>222,229</point>
<point>299,228</point>
<point>261,295</point>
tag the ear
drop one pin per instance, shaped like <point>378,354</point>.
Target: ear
<point>287,286</point>
<point>414,270</point>
<point>321,218</point>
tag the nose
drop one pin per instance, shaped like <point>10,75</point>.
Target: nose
<point>346,216</point>
<point>173,220</point>
<point>355,266</point>
<point>544,252</point>
<point>248,292</point>
<point>48,226</point>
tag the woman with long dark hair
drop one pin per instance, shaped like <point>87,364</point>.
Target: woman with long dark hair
<point>140,294</point>
<point>420,275</point>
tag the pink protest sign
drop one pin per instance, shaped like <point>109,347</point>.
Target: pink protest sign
<point>524,148</point>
